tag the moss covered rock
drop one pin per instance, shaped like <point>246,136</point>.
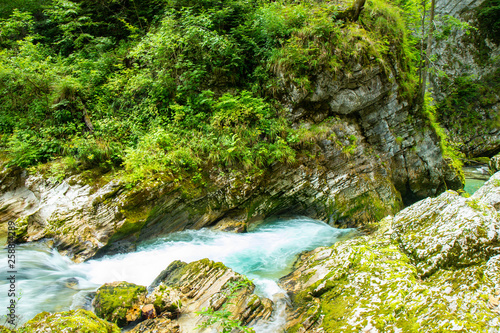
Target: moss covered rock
<point>75,321</point>
<point>119,302</point>
<point>183,290</point>
<point>434,267</point>
<point>368,285</point>
<point>448,232</point>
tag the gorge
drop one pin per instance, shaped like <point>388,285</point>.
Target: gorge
<point>236,166</point>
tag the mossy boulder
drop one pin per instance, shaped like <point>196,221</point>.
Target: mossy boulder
<point>369,285</point>
<point>74,321</point>
<point>184,289</point>
<point>119,302</point>
<point>449,231</point>
<point>434,267</point>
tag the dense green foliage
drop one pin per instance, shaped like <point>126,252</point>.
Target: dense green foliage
<point>488,15</point>
<point>174,88</point>
<point>467,99</point>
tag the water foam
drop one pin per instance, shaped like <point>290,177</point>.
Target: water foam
<point>51,282</point>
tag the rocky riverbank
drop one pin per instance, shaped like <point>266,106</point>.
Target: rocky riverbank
<point>434,265</point>
<point>184,298</point>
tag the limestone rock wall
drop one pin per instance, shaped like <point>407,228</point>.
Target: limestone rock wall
<point>466,70</point>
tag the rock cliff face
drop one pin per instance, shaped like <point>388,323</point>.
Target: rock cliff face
<point>363,152</point>
<point>433,266</point>
<point>466,85</point>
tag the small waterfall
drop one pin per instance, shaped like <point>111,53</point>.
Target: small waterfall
<point>51,282</point>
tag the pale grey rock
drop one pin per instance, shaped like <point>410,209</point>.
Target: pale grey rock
<point>433,266</point>
<point>447,231</point>
<point>489,193</point>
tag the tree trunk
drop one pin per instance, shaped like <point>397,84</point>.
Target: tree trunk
<point>421,63</point>
<point>428,52</point>
<point>357,6</point>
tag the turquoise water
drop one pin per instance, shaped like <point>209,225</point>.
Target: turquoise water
<point>51,282</point>
<point>475,177</point>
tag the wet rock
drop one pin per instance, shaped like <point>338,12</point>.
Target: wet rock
<point>205,284</point>
<point>74,321</point>
<point>161,325</point>
<point>178,295</point>
<point>119,302</point>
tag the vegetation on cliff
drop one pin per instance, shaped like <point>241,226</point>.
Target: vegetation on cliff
<point>175,88</point>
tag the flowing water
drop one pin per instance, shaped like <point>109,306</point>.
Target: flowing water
<point>51,282</point>
<point>475,177</point>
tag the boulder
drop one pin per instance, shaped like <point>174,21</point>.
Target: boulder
<point>119,302</point>
<point>74,321</point>
<point>189,294</point>
<point>448,232</point>
<point>184,298</point>
<point>434,266</point>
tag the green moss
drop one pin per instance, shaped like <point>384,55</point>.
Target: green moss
<point>4,329</point>
<point>22,228</point>
<point>75,321</point>
<point>365,208</point>
<point>372,283</point>
<point>467,110</point>
<point>113,301</point>
<point>475,204</point>
<point>488,14</point>
<point>449,149</point>
<point>134,221</point>
<point>323,41</point>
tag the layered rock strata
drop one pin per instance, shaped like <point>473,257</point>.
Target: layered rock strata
<point>182,299</point>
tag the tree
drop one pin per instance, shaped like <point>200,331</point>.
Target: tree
<point>425,67</point>
<point>356,9</point>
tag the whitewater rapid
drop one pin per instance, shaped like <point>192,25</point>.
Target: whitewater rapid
<point>51,282</point>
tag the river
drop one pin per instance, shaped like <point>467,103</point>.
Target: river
<point>475,177</point>
<point>47,281</point>
<point>51,282</point>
